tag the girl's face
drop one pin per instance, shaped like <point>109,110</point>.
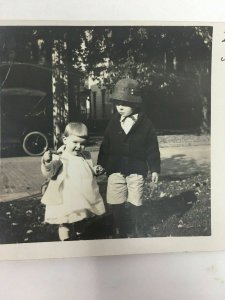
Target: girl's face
<point>74,144</point>
<point>124,111</point>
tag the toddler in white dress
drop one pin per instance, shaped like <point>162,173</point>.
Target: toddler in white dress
<point>72,194</point>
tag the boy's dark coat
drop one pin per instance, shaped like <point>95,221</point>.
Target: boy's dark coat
<point>132,153</point>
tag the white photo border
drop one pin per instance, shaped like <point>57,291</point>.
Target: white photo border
<point>216,241</point>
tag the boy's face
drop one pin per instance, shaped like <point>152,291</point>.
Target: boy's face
<point>123,110</point>
<point>74,144</point>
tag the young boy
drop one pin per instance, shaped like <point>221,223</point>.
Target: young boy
<point>128,150</point>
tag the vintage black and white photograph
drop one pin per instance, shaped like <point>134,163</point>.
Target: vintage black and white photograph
<point>105,133</point>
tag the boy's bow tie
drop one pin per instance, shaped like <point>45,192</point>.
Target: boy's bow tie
<point>132,117</point>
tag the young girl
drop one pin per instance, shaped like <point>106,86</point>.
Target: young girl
<point>72,194</point>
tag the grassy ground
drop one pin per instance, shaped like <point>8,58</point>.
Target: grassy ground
<point>179,207</point>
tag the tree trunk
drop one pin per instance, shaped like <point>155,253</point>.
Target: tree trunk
<point>204,91</point>
<point>205,127</point>
<point>59,90</point>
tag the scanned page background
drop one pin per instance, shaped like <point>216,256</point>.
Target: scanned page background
<point>153,244</point>
<point>162,276</point>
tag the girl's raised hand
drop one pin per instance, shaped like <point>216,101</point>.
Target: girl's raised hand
<point>47,157</point>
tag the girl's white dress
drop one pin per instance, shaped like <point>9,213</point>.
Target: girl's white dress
<point>77,188</point>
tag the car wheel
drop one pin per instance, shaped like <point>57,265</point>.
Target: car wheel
<point>35,143</point>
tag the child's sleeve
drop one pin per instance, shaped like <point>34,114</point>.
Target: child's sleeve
<point>153,154</point>
<point>49,170</point>
<point>103,152</point>
<point>88,158</point>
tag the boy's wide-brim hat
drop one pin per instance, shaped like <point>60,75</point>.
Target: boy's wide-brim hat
<point>127,90</point>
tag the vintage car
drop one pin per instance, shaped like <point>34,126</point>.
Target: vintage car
<point>25,121</point>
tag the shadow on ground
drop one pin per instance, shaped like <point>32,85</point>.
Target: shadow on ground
<point>160,211</point>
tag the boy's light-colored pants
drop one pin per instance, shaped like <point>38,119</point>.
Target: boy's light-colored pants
<point>122,188</point>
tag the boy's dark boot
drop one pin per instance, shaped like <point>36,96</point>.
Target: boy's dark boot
<point>119,226</point>
<point>76,230</point>
<point>134,221</point>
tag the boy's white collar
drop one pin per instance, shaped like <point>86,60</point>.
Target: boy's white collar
<point>122,118</point>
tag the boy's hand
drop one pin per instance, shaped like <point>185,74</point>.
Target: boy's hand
<point>99,170</point>
<point>155,177</point>
<point>47,157</point>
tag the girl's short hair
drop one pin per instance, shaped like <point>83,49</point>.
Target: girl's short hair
<point>76,128</point>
